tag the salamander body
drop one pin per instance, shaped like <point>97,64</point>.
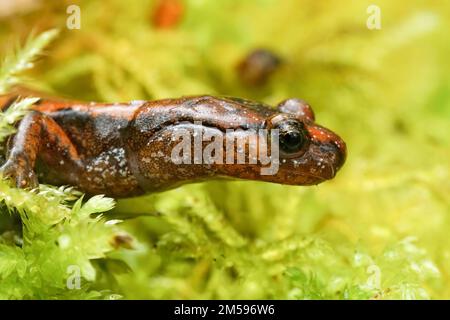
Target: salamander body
<point>127,149</point>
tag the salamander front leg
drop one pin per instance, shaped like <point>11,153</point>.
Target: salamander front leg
<point>36,132</point>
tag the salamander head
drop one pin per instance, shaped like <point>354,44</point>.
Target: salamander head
<point>206,137</point>
<point>309,153</point>
<point>301,152</point>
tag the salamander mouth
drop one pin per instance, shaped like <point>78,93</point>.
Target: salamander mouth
<point>315,175</point>
<point>315,179</point>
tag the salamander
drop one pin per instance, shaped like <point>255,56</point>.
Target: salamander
<point>126,149</point>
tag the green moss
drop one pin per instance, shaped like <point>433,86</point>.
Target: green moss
<point>378,230</point>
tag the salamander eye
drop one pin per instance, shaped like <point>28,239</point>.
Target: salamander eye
<point>293,137</point>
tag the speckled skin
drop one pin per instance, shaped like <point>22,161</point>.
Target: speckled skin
<point>123,150</point>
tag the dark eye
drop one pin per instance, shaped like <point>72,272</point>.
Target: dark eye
<point>292,141</point>
<point>293,136</point>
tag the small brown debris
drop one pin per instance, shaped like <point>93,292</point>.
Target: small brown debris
<point>258,66</point>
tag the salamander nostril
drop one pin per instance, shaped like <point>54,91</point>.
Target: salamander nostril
<point>341,151</point>
<point>342,147</point>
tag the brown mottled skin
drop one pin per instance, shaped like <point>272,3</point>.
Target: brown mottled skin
<point>124,149</point>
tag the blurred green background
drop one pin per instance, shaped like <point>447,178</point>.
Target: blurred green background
<point>379,230</point>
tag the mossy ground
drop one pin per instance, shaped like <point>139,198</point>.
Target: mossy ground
<point>378,230</point>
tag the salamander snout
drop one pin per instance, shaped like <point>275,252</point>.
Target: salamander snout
<point>327,151</point>
<point>329,140</point>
